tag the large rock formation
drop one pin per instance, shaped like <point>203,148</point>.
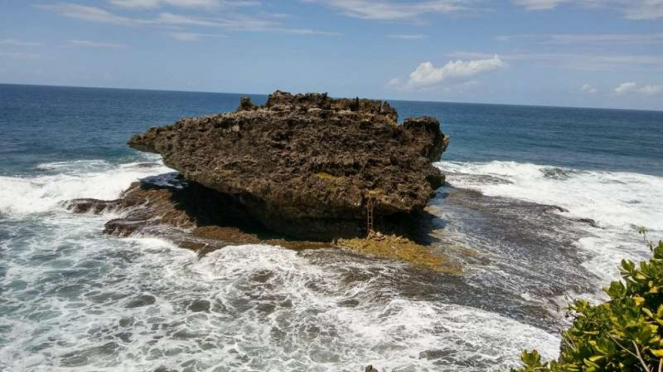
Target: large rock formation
<point>306,165</point>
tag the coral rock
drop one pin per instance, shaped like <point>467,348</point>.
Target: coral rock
<point>306,165</point>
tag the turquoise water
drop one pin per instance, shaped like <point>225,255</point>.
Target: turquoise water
<point>72,298</point>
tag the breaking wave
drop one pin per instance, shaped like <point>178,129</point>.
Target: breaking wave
<point>78,300</point>
<point>617,202</point>
<point>21,196</point>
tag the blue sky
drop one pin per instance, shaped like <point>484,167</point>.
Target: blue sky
<point>590,53</point>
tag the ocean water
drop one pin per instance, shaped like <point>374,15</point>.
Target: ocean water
<point>541,205</point>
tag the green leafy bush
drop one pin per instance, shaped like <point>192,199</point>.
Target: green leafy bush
<point>623,334</point>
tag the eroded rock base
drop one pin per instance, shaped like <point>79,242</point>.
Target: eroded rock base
<point>203,220</point>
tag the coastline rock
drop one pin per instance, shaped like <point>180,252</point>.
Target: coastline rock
<point>397,248</point>
<point>306,165</point>
<point>190,215</point>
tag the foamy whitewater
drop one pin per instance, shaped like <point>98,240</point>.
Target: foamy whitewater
<point>620,203</point>
<point>74,299</point>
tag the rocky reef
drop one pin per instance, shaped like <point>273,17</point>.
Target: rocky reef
<point>190,215</point>
<point>307,165</point>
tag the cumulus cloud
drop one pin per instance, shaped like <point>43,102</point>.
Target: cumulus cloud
<point>395,84</point>
<point>633,87</point>
<point>588,89</point>
<point>453,74</point>
<point>454,71</point>
<point>650,90</point>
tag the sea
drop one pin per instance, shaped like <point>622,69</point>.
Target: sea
<point>541,205</point>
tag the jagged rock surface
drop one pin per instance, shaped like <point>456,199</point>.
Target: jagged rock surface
<point>186,213</point>
<point>305,165</point>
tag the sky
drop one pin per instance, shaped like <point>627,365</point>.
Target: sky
<point>585,53</point>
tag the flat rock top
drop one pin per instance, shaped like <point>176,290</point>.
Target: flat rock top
<point>307,156</point>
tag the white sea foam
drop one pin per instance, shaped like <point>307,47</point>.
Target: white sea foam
<point>619,202</point>
<point>77,166</point>
<point>78,300</point>
<point>272,309</point>
<point>20,196</point>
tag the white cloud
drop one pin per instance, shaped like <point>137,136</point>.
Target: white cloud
<point>18,43</point>
<point>650,90</point>
<point>645,9</point>
<point>632,9</point>
<point>90,14</point>
<point>588,89</point>
<point>632,87</point>
<point>583,62</point>
<point>147,4</point>
<point>394,83</point>
<point>387,10</point>
<point>95,44</point>
<point>407,36</point>
<point>20,55</point>
<point>626,87</point>
<point>453,73</point>
<point>234,22</point>
<point>568,39</point>
<point>539,4</point>
<point>193,36</point>
<point>177,19</point>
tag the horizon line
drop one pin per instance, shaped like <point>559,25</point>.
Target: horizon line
<point>371,98</point>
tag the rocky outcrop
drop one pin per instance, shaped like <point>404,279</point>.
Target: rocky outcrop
<point>186,213</point>
<point>307,165</point>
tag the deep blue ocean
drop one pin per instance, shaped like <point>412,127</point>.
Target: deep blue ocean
<point>59,123</point>
<point>72,298</point>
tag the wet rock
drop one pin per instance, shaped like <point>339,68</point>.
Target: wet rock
<point>140,301</point>
<point>306,165</point>
<point>588,221</point>
<point>401,249</point>
<point>197,306</point>
<point>369,368</point>
<point>168,201</point>
<point>164,369</point>
<point>91,205</point>
<point>127,322</point>
<point>190,215</point>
